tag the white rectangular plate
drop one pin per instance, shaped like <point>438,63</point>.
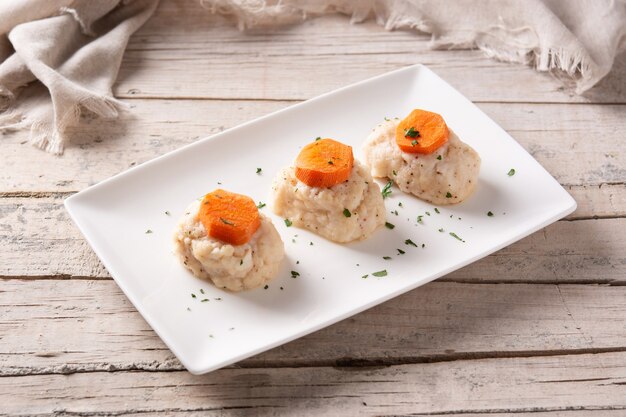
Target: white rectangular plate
<point>115,215</point>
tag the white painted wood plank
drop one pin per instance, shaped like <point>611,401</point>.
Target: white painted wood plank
<point>578,144</point>
<point>61,326</point>
<point>41,241</point>
<point>183,51</point>
<point>506,386</point>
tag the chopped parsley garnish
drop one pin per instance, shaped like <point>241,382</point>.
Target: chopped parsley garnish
<point>188,309</point>
<point>218,299</point>
<point>167,213</point>
<point>454,235</point>
<point>259,171</point>
<point>347,213</point>
<point>318,138</point>
<point>490,214</point>
<point>330,163</point>
<point>410,242</point>
<point>201,291</point>
<point>414,142</point>
<point>419,219</point>
<point>310,243</point>
<point>400,252</point>
<point>266,287</point>
<point>448,195</point>
<point>260,205</point>
<point>439,157</point>
<point>389,225</point>
<point>394,212</point>
<point>365,276</point>
<point>382,273</point>
<point>394,172</point>
<point>386,258</point>
<point>423,245</point>
<point>295,274</point>
<point>240,263</point>
<point>437,210</point>
<point>441,230</point>
<point>193,295</point>
<point>288,223</point>
<point>411,133</point>
<point>148,231</point>
<point>400,204</point>
<point>386,119</point>
<point>204,300</point>
<point>428,213</point>
<point>386,191</point>
<point>223,220</point>
<point>511,172</point>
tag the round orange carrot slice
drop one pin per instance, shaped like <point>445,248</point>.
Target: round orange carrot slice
<point>421,132</point>
<point>229,217</point>
<point>324,163</point>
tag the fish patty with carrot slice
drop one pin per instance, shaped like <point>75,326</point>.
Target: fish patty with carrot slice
<point>224,239</point>
<point>423,157</point>
<point>329,193</point>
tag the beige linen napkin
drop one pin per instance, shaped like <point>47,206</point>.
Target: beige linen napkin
<point>74,49</point>
<point>579,38</point>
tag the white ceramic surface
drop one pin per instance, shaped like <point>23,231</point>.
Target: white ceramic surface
<point>115,214</point>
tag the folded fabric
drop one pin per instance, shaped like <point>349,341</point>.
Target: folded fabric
<point>74,49</point>
<point>68,52</point>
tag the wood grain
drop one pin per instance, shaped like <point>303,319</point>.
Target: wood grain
<point>576,144</point>
<point>185,52</point>
<point>40,241</point>
<point>507,386</point>
<point>61,326</point>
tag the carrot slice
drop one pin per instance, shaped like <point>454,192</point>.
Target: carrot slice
<point>230,217</point>
<point>324,163</point>
<point>421,132</point>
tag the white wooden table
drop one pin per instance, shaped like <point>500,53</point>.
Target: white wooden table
<point>537,329</point>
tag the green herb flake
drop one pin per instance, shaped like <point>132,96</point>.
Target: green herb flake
<point>330,162</point>
<point>395,212</point>
<point>347,213</point>
<point>365,276</point>
<point>428,213</point>
<point>411,133</point>
<point>148,231</point>
<point>386,191</point>
<point>201,291</point>
<point>400,204</point>
<point>260,205</point>
<point>423,245</point>
<point>288,223</point>
<point>223,220</point>
<point>379,274</point>
<point>266,287</point>
<point>454,235</point>
<point>410,242</point>
<point>511,172</point>
<point>439,157</point>
<point>318,138</point>
<point>448,195</point>
<point>394,172</point>
<point>419,219</point>
<point>386,258</point>
<point>241,262</point>
<point>386,119</point>
<point>414,142</point>
<point>188,309</point>
<point>400,252</point>
<point>204,300</point>
<point>441,230</point>
<point>437,210</point>
<point>193,295</point>
<point>259,171</point>
<point>310,243</point>
<point>218,299</point>
<point>295,274</point>
<point>490,214</point>
<point>167,213</point>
